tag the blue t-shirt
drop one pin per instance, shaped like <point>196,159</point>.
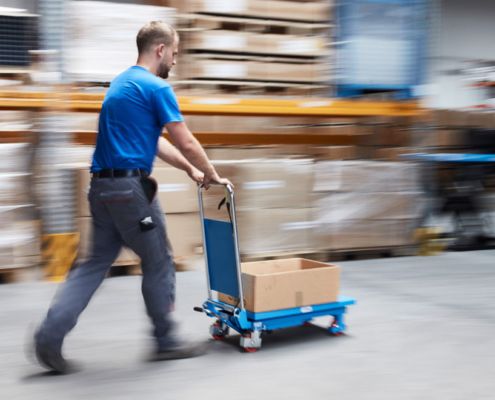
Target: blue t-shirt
<point>136,107</point>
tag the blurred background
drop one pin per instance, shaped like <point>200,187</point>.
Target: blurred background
<point>351,128</point>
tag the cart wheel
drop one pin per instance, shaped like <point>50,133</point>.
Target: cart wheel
<point>218,337</point>
<point>336,325</point>
<point>251,349</point>
<point>306,324</point>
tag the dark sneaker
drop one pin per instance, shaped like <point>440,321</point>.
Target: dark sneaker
<point>53,360</point>
<point>183,350</point>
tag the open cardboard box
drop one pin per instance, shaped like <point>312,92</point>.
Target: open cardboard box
<point>280,284</point>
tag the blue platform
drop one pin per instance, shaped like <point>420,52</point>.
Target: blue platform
<point>451,157</point>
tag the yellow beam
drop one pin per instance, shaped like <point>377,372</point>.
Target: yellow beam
<point>219,105</point>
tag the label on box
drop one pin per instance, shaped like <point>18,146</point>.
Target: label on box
<point>226,70</point>
<point>226,6</point>
<point>225,42</point>
<point>299,46</point>
<point>263,185</point>
<point>173,187</point>
<point>306,309</point>
<point>298,225</point>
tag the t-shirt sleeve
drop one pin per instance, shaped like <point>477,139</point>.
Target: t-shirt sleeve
<point>166,106</point>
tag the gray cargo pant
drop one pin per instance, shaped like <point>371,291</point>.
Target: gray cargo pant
<point>122,215</point>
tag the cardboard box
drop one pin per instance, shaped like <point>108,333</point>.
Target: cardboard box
<point>264,183</point>
<point>365,176</point>
<point>364,234</point>
<point>337,207</point>
<point>176,191</point>
<point>272,184</point>
<point>249,42</point>
<point>261,71</point>
<point>282,284</point>
<point>334,152</point>
<point>393,153</point>
<point>451,138</point>
<point>184,232</point>
<point>14,188</point>
<point>241,153</point>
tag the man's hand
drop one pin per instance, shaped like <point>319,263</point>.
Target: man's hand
<point>196,175</point>
<point>214,178</point>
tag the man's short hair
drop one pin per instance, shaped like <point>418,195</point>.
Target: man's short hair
<point>153,34</point>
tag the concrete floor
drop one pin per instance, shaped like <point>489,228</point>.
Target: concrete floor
<point>423,329</point>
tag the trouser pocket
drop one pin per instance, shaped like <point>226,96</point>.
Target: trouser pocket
<point>150,188</point>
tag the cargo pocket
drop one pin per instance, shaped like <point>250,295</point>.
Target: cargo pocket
<point>116,196</point>
<point>121,206</point>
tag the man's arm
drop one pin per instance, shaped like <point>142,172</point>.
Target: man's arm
<point>168,153</point>
<point>193,152</point>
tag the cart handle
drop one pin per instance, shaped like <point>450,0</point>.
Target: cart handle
<point>230,191</point>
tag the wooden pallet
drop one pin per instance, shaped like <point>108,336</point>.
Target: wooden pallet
<point>200,87</point>
<point>20,274</point>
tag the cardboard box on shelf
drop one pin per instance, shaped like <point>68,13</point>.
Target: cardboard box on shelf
<point>281,284</point>
<point>241,153</point>
<point>393,153</point>
<point>451,138</point>
<point>332,208</point>
<point>176,191</point>
<point>260,71</point>
<point>364,234</point>
<point>185,234</point>
<point>272,184</point>
<point>262,183</point>
<point>334,152</point>
<point>365,176</point>
<point>276,229</point>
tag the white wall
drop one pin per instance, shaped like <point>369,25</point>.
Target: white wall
<point>466,32</point>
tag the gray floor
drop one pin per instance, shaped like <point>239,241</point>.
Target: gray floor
<point>423,329</point>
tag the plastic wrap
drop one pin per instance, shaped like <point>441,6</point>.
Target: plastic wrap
<point>97,50</point>
<point>272,230</point>
<point>362,234</point>
<point>337,207</point>
<point>366,176</point>
<point>15,157</point>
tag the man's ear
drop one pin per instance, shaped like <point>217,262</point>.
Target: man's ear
<point>160,50</point>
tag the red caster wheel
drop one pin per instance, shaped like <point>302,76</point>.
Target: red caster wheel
<point>307,324</point>
<point>218,337</point>
<point>336,325</point>
<point>251,349</point>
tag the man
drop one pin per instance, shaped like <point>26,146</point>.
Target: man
<point>122,197</point>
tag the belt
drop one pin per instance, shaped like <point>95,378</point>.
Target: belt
<point>120,173</point>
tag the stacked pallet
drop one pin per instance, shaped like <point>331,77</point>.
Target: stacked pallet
<point>254,47</point>
<point>19,224</point>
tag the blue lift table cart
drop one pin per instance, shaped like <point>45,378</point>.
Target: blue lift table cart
<point>223,272</point>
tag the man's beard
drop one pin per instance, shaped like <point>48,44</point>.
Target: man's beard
<point>163,71</point>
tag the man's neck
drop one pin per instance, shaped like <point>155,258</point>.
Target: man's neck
<point>147,65</point>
